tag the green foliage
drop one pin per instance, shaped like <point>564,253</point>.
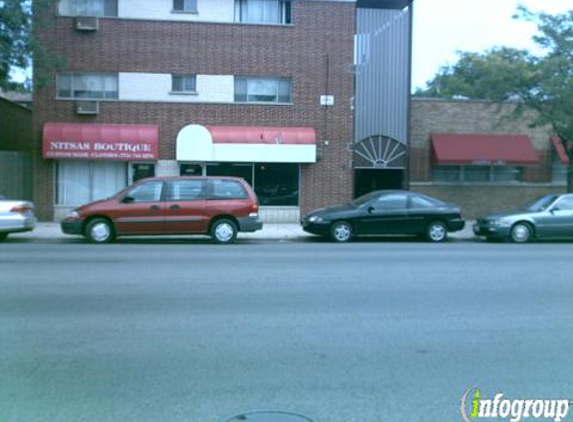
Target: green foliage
<point>15,27</point>
<point>19,42</point>
<point>499,74</point>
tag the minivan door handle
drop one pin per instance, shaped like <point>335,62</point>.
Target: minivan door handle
<point>175,207</point>
<point>155,207</point>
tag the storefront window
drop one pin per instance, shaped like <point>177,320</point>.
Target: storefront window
<point>80,182</point>
<point>190,170</point>
<point>476,174</point>
<point>277,184</point>
<point>243,170</point>
<point>142,171</point>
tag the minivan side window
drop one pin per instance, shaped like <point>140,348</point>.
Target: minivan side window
<point>227,189</point>
<point>186,190</point>
<point>147,192</point>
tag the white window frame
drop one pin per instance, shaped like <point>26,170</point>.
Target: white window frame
<point>251,79</point>
<point>491,179</point>
<point>185,78</point>
<point>189,6</point>
<point>284,6</point>
<point>73,82</point>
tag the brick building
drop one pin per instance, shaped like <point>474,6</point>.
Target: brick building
<point>288,94</point>
<point>482,155</point>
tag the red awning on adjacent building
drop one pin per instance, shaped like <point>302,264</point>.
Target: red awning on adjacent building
<point>560,149</point>
<point>476,149</point>
<point>262,135</point>
<point>100,141</point>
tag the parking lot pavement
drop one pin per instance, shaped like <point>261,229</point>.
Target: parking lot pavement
<point>273,232</point>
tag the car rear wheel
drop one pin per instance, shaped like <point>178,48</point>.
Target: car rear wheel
<point>3,236</point>
<point>100,230</point>
<point>437,232</point>
<point>224,231</point>
<point>341,232</point>
<point>521,233</point>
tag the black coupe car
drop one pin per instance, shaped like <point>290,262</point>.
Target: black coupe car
<point>386,212</point>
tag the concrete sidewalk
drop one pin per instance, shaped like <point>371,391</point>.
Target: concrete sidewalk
<point>277,232</point>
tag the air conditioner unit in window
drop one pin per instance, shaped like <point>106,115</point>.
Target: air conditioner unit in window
<point>86,23</point>
<point>87,107</point>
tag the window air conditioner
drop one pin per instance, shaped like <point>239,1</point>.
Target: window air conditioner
<point>87,107</point>
<point>86,23</point>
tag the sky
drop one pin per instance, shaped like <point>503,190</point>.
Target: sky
<point>442,27</point>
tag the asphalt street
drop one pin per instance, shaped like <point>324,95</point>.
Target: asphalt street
<point>151,330</point>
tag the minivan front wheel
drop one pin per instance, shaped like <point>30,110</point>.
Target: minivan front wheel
<point>224,231</point>
<point>100,230</point>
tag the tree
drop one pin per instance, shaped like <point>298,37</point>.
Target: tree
<point>552,94</point>
<point>19,43</point>
<point>15,28</point>
<point>499,74</point>
<point>543,83</point>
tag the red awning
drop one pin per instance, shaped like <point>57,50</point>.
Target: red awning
<point>463,149</point>
<point>262,135</point>
<point>100,141</point>
<point>560,149</point>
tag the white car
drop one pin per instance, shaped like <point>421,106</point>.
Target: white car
<point>16,216</point>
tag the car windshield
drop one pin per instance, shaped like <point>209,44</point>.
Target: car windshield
<point>541,204</point>
<point>363,199</point>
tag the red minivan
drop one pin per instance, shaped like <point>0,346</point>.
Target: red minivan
<point>216,206</point>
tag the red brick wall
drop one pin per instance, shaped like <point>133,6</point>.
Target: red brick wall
<point>298,51</point>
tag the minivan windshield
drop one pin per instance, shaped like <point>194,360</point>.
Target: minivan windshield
<point>541,204</point>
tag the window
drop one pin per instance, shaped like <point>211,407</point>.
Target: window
<point>80,182</point>
<point>277,90</point>
<point>185,190</point>
<point>87,7</point>
<point>242,170</point>
<point>87,85</point>
<point>184,84</point>
<point>227,189</point>
<point>147,192</point>
<point>189,6</point>
<point>418,202</point>
<point>263,11</point>
<point>277,184</point>
<point>476,174</point>
<point>565,204</point>
<point>392,202</point>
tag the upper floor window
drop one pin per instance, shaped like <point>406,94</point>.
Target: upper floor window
<point>189,6</point>
<point>87,85</point>
<point>263,11</point>
<point>87,7</point>
<point>274,90</point>
<point>184,84</point>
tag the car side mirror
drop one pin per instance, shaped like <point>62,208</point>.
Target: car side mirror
<point>371,209</point>
<point>127,200</point>
<point>554,209</point>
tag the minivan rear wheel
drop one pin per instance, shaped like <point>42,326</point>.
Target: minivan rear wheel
<point>100,230</point>
<point>223,231</point>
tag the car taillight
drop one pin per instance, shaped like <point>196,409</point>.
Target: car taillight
<point>254,211</point>
<point>21,209</point>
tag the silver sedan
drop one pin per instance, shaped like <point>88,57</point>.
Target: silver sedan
<point>550,216</point>
<point>15,216</point>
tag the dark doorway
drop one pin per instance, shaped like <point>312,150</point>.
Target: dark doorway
<point>368,180</point>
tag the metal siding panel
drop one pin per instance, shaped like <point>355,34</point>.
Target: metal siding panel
<point>382,85</point>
